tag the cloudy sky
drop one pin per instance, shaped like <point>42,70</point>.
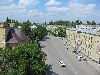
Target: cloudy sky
<point>47,10</point>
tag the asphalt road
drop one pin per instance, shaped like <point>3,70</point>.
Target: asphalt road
<point>56,51</point>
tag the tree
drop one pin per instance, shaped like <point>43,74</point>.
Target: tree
<point>26,27</point>
<point>25,59</point>
<point>88,23</point>
<point>38,33</point>
<point>8,20</point>
<point>60,32</point>
<point>73,24</point>
<point>51,23</point>
<point>77,22</point>
<point>93,23</point>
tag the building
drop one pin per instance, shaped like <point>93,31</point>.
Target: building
<point>10,35</point>
<point>97,27</point>
<point>53,27</point>
<point>85,39</point>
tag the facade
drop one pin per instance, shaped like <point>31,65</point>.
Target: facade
<point>10,35</point>
<point>86,41</point>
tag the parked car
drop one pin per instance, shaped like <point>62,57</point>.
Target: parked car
<point>74,51</point>
<point>42,46</point>
<point>62,64</point>
<point>80,57</point>
<point>64,43</point>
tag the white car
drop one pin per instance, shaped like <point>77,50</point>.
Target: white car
<point>65,43</point>
<point>62,64</point>
<point>80,57</point>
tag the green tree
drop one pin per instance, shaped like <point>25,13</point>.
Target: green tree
<point>25,59</point>
<point>73,24</point>
<point>26,27</point>
<point>38,33</point>
<point>77,22</point>
<point>60,32</point>
<point>8,20</point>
<point>51,23</point>
<point>93,23</point>
<point>88,23</point>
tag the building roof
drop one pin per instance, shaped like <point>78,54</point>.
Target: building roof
<point>88,31</point>
<point>16,36</point>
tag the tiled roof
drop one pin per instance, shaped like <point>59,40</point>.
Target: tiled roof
<point>16,36</point>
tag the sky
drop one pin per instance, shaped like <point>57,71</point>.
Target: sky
<point>40,11</point>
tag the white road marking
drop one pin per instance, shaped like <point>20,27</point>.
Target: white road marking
<point>68,64</point>
<point>75,72</point>
<point>97,68</point>
<point>72,68</point>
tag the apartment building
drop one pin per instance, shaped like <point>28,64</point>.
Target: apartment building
<point>97,27</point>
<point>85,40</point>
<point>11,35</point>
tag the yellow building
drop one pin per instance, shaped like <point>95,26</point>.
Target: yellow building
<point>4,28</point>
<point>86,41</point>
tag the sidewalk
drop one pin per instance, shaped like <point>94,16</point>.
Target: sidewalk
<point>93,63</point>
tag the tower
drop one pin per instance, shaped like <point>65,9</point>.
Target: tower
<point>4,28</point>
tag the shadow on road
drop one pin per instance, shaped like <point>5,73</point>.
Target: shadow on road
<point>50,72</point>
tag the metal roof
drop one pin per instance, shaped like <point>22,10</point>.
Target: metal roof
<point>90,31</point>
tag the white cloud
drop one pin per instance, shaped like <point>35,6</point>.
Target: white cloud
<point>57,9</point>
<point>27,2</point>
<point>5,2</point>
<point>52,2</point>
<point>74,9</point>
<point>72,1</point>
<point>80,10</point>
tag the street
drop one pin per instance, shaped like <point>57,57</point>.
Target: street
<point>56,51</point>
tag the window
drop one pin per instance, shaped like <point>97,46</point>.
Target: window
<point>89,38</point>
<point>84,36</point>
<point>85,50</point>
<point>89,46</point>
<point>86,45</point>
<point>90,53</point>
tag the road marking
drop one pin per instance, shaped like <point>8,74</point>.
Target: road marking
<point>72,68</point>
<point>68,64</point>
<point>75,72</point>
<point>97,68</point>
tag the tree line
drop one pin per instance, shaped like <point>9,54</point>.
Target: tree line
<point>71,23</point>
